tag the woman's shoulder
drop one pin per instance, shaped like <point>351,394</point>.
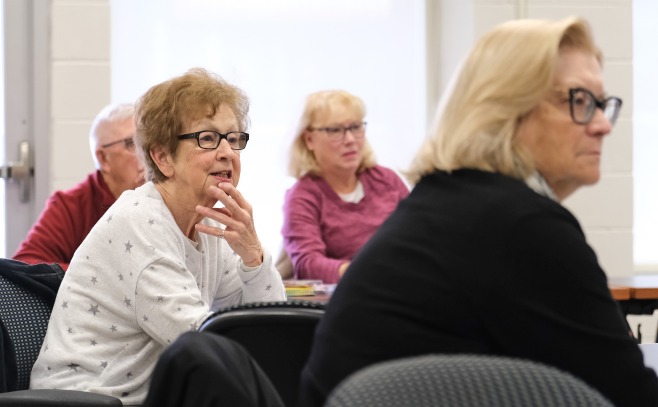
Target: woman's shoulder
<point>499,194</point>
<point>142,201</point>
<point>139,212</point>
<point>379,171</point>
<point>308,185</point>
<point>383,176</point>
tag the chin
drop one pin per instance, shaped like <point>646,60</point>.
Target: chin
<point>591,179</point>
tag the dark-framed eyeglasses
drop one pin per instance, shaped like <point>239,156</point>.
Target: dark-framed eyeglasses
<point>336,133</point>
<point>583,104</point>
<point>128,142</point>
<point>209,140</point>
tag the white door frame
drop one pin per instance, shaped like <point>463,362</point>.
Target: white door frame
<point>27,109</point>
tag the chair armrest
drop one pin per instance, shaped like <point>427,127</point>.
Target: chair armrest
<point>57,398</point>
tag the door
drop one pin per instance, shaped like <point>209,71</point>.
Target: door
<point>24,105</point>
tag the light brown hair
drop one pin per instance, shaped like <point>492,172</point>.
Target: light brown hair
<point>166,109</point>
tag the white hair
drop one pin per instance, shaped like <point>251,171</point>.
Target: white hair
<point>109,115</point>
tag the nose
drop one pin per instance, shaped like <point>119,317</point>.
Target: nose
<point>224,150</point>
<point>600,125</point>
<point>349,132</point>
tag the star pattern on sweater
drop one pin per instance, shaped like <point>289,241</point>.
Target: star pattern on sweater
<point>93,309</point>
<point>200,278</point>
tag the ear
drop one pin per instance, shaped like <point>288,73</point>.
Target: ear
<point>103,161</point>
<point>163,159</point>
<point>308,139</point>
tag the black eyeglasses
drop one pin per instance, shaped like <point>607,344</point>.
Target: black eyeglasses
<point>128,142</point>
<point>336,133</point>
<point>209,140</point>
<point>583,105</point>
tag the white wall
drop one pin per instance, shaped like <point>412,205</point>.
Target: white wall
<point>82,72</point>
<point>80,84</point>
<point>278,52</point>
<point>645,123</point>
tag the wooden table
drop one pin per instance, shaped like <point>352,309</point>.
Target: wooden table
<point>322,293</point>
<point>620,292</point>
<point>321,298</point>
<point>643,293</point>
<point>643,286</point>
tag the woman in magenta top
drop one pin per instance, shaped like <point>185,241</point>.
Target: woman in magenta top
<point>342,195</point>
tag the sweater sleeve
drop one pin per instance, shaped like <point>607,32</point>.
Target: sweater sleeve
<point>555,306</point>
<point>303,236</point>
<point>249,284</point>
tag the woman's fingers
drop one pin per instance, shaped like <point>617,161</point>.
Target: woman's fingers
<point>234,198</point>
<point>236,215</point>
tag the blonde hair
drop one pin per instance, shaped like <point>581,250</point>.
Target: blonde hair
<point>507,74</point>
<point>167,108</point>
<point>319,107</point>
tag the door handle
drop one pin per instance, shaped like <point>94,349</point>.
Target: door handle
<point>20,172</point>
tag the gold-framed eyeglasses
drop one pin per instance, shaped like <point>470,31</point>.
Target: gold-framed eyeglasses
<point>336,133</point>
<point>128,142</point>
<point>209,140</point>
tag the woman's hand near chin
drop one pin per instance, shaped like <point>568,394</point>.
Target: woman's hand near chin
<point>237,215</point>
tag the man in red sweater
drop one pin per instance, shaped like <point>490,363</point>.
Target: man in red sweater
<point>69,215</point>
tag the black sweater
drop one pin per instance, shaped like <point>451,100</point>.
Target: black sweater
<point>476,262</point>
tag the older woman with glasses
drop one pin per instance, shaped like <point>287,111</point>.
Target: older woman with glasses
<point>482,258</point>
<point>342,195</point>
<point>162,256</point>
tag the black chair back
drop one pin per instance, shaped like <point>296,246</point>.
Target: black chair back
<point>278,335</point>
<point>27,295</point>
<point>16,303</point>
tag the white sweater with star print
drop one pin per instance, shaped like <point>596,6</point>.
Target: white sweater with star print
<point>134,285</point>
